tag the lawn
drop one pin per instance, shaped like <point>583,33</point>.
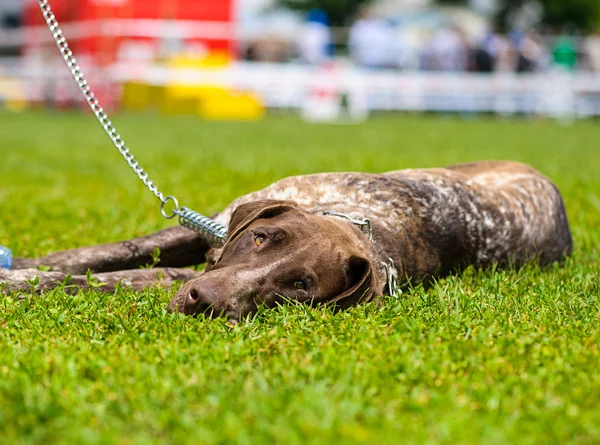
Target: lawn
<point>490,357</point>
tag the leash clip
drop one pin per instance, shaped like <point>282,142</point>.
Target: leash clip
<point>392,277</point>
<point>362,224</point>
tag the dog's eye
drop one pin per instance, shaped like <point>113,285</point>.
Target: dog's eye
<point>300,284</point>
<point>259,239</point>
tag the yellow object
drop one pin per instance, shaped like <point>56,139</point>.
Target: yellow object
<point>215,59</point>
<point>231,106</point>
<point>207,99</point>
<point>136,96</point>
<point>16,105</point>
<point>12,93</point>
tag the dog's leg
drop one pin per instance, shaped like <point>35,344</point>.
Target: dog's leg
<point>36,281</point>
<point>179,247</point>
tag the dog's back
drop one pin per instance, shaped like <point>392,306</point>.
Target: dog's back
<point>435,220</point>
<point>503,211</point>
<point>308,237</point>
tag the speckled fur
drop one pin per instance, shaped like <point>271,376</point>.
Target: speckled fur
<point>427,221</point>
<point>431,221</point>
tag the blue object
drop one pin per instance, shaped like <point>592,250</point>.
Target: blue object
<point>5,258</point>
<point>317,15</point>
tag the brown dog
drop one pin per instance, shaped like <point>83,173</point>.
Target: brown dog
<point>342,238</point>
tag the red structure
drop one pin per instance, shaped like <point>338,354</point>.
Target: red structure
<point>102,32</point>
<point>106,28</point>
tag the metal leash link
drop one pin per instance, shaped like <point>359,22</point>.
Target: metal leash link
<point>200,223</point>
<point>187,217</point>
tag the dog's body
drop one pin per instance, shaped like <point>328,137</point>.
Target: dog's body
<point>424,223</point>
<point>432,220</point>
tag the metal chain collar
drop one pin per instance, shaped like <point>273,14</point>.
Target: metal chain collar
<point>362,224</point>
<point>365,225</point>
<point>187,217</point>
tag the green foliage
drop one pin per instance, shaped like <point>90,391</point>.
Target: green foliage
<point>341,12</point>
<point>580,14</point>
<point>489,357</point>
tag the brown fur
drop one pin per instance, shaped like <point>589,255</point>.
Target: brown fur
<point>428,222</point>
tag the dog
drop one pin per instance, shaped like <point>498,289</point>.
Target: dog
<point>337,238</point>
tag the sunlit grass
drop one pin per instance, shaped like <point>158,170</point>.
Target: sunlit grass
<point>484,357</point>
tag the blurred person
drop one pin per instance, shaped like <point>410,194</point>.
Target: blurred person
<point>591,46</point>
<point>249,52</point>
<point>484,56</point>
<point>268,48</point>
<point>502,51</point>
<point>564,53</point>
<point>505,57</point>
<point>405,51</point>
<point>369,41</point>
<point>10,13</point>
<point>315,46</point>
<point>584,62</point>
<point>447,51</point>
<point>464,59</point>
<point>515,37</point>
<point>532,55</point>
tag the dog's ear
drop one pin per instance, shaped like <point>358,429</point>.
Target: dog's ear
<point>212,257</point>
<point>362,284</point>
<point>245,214</point>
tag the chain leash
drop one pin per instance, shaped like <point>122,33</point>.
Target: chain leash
<point>187,217</point>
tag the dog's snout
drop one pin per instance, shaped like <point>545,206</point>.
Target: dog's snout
<point>201,298</point>
<point>193,296</point>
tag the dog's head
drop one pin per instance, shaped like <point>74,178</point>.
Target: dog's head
<point>276,251</point>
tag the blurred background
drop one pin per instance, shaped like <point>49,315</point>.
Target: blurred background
<point>324,59</point>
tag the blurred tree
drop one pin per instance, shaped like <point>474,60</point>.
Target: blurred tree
<point>583,14</point>
<point>340,12</point>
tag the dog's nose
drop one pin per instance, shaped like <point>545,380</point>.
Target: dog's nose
<point>201,299</point>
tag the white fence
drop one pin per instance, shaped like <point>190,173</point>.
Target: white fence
<point>292,86</point>
<point>289,86</point>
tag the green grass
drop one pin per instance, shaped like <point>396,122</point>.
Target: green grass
<point>489,357</point>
